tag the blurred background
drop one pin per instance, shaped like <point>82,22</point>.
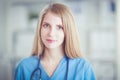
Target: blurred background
<point>97,21</point>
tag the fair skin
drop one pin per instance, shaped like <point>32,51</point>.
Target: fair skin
<point>52,35</point>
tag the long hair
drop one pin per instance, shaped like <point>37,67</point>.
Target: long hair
<point>71,41</point>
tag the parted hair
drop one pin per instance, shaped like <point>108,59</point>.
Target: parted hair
<point>71,43</point>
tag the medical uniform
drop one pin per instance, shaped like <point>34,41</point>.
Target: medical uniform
<point>78,69</point>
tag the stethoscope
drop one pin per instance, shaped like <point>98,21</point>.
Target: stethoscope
<point>36,74</point>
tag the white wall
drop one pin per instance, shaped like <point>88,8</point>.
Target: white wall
<point>118,39</point>
<point>2,26</point>
<point>16,21</point>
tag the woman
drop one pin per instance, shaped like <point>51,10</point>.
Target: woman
<point>56,52</point>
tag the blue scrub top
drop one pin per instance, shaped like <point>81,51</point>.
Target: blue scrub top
<point>79,69</point>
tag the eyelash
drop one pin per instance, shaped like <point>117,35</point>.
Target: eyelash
<point>60,27</point>
<point>46,25</point>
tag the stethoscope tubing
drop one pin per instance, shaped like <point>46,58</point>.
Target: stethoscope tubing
<point>38,68</point>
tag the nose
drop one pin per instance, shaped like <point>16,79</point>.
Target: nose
<point>52,32</point>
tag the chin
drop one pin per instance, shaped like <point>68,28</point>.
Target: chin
<point>52,46</point>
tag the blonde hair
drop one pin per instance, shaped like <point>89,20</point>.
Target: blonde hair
<point>71,41</point>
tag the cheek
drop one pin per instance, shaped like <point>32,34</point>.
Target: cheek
<point>42,33</point>
<point>62,36</point>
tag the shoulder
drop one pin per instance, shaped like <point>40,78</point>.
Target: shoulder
<point>80,61</point>
<point>80,64</point>
<point>27,61</point>
<point>24,68</point>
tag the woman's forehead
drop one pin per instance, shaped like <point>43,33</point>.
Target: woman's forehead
<point>52,18</point>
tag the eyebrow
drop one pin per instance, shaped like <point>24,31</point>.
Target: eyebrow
<point>49,24</point>
<point>45,22</point>
<point>60,25</point>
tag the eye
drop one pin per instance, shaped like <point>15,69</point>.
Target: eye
<point>45,25</point>
<point>60,27</point>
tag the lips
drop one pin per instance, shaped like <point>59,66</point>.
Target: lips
<point>51,40</point>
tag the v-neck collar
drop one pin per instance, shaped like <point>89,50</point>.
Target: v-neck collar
<point>44,74</point>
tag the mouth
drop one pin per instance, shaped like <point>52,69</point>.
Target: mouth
<point>51,40</point>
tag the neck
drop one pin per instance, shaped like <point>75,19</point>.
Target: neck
<point>53,55</point>
<point>51,58</point>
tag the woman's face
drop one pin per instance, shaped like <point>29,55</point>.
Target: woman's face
<point>52,33</point>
